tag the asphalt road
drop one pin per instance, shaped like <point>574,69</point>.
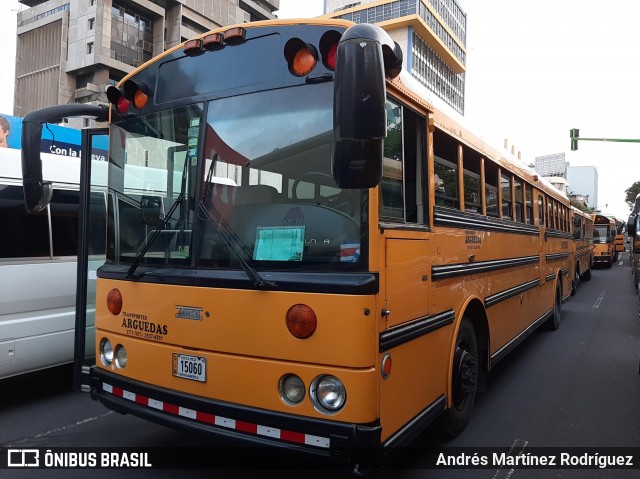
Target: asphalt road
<point>575,387</point>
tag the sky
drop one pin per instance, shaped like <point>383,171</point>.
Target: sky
<point>535,70</point>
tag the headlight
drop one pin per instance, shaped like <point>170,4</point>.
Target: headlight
<point>328,394</point>
<point>291,389</point>
<point>121,356</point>
<point>106,352</point>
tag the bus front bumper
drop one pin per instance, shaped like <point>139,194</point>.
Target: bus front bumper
<point>242,426</point>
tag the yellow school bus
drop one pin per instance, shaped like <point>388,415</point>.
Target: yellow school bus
<point>307,269</point>
<point>604,234</point>
<point>582,247</point>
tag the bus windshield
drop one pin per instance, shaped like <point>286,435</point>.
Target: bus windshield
<point>601,234</point>
<point>252,175</point>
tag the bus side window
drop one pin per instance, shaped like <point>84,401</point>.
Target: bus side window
<point>491,188</point>
<point>24,235</point>
<point>541,216</point>
<point>471,176</point>
<point>402,186</point>
<point>506,196</point>
<point>519,200</point>
<point>64,222</point>
<point>529,204</point>
<point>445,151</point>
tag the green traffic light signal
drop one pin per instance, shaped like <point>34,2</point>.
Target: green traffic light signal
<point>575,133</point>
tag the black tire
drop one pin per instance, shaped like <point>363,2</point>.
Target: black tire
<point>587,274</point>
<point>554,321</point>
<point>464,380</point>
<point>576,280</point>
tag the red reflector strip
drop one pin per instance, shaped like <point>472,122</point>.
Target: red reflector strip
<point>220,421</point>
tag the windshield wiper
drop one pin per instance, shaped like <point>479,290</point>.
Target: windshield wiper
<point>258,281</point>
<point>131,271</point>
<point>227,234</point>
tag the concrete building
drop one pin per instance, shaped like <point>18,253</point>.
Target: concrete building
<point>68,50</point>
<point>551,165</point>
<point>432,34</point>
<point>583,180</point>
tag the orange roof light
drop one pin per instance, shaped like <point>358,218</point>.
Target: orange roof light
<point>213,41</point>
<point>301,57</point>
<point>192,47</point>
<point>235,35</point>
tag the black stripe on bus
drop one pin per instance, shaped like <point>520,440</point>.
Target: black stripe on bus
<point>327,283</point>
<point>414,427</point>
<point>507,348</point>
<point>403,333</point>
<point>565,271</point>
<point>550,277</point>
<point>509,293</point>
<point>458,219</point>
<point>462,269</point>
<point>559,234</point>
<point>556,257</point>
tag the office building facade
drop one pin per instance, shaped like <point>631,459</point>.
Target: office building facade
<point>68,50</point>
<point>583,180</point>
<point>432,34</point>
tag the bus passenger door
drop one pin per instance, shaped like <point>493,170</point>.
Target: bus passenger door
<point>92,237</point>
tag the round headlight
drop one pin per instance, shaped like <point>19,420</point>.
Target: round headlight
<point>328,394</point>
<point>121,356</point>
<point>291,389</point>
<point>106,351</point>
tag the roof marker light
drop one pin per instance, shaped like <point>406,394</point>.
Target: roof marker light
<point>235,35</point>
<point>192,47</point>
<point>213,41</point>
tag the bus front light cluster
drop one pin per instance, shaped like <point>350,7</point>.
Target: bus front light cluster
<point>302,57</point>
<point>292,389</point>
<point>106,352</point>
<point>109,355</point>
<point>328,394</point>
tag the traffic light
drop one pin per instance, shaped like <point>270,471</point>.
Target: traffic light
<point>575,133</point>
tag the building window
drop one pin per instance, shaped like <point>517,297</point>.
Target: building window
<point>83,80</point>
<point>131,36</point>
<point>89,48</point>
<point>92,23</point>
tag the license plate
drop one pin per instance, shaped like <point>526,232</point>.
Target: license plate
<point>190,367</point>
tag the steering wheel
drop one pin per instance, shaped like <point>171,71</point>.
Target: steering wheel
<point>343,201</point>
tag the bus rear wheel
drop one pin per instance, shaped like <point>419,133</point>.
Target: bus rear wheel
<point>554,320</point>
<point>464,380</point>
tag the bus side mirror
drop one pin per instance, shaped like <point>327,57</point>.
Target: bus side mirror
<point>37,193</point>
<point>631,225</point>
<point>366,57</point>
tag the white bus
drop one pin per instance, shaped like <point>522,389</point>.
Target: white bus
<point>38,265</point>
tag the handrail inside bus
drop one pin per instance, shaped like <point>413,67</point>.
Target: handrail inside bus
<point>37,192</point>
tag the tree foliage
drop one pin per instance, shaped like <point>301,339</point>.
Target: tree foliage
<point>631,193</point>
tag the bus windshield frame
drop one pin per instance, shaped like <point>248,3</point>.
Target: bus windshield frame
<point>269,196</point>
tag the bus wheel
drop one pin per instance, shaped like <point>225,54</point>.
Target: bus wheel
<point>576,280</point>
<point>587,274</point>
<point>464,380</point>
<point>554,321</point>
